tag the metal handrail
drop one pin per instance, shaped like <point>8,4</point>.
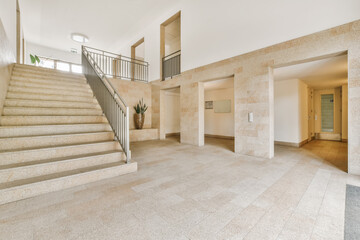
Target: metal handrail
<point>179,51</point>
<point>118,55</point>
<point>113,105</point>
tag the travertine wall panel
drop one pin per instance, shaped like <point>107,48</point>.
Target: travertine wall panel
<point>132,92</point>
<point>7,58</point>
<point>253,85</point>
<point>137,135</point>
<point>192,113</point>
<point>155,106</point>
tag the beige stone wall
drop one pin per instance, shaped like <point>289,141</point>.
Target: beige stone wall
<point>155,106</point>
<point>132,92</point>
<point>192,113</point>
<point>137,135</point>
<point>254,88</point>
<point>7,58</point>
<point>344,117</point>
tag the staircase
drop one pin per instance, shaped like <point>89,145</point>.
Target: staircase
<point>53,135</point>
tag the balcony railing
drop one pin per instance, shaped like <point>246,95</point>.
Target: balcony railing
<point>171,65</point>
<point>118,66</point>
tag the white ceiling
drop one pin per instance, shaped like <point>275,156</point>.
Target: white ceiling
<point>325,73</point>
<point>107,23</point>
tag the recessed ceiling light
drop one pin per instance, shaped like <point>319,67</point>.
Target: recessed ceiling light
<point>78,37</point>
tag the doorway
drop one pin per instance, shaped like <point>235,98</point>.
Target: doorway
<point>219,111</point>
<point>172,113</point>
<point>310,108</point>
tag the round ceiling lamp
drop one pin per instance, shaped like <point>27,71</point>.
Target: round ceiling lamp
<point>80,38</point>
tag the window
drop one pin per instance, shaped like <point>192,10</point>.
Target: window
<point>327,112</point>
<point>47,63</point>
<point>76,68</point>
<point>63,66</point>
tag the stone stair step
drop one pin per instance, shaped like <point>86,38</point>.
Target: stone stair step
<point>55,78</point>
<point>46,72</point>
<point>42,141</point>
<point>21,189</point>
<point>55,165</point>
<point>50,97</point>
<point>41,91</point>
<point>49,82</point>
<point>21,157</point>
<point>49,120</point>
<point>37,130</point>
<point>27,111</point>
<point>24,84</point>
<point>49,104</point>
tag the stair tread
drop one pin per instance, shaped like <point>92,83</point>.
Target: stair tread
<point>56,147</point>
<point>48,71</point>
<point>49,108</point>
<point>26,84</point>
<point>48,104</point>
<point>45,111</point>
<point>43,69</point>
<point>45,94</point>
<point>57,176</point>
<point>50,101</point>
<point>89,96</point>
<point>38,90</point>
<point>56,160</point>
<point>56,135</point>
<point>49,77</point>
<point>55,125</point>
<point>48,81</point>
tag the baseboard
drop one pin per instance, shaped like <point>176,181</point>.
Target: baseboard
<point>303,142</point>
<point>172,134</point>
<point>328,136</point>
<point>219,136</point>
<point>290,144</point>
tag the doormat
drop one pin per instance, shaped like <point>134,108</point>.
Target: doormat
<point>352,213</point>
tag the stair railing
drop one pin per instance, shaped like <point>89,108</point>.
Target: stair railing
<point>171,65</point>
<point>113,105</point>
<point>118,66</point>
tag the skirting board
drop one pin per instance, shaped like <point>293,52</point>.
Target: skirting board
<point>172,134</point>
<point>290,144</point>
<point>219,136</point>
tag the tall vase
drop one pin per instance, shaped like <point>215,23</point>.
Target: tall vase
<point>139,120</point>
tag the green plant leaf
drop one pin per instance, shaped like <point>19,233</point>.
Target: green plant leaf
<point>37,59</point>
<point>32,59</point>
<point>140,107</point>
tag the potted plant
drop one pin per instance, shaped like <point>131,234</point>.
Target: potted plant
<point>139,116</point>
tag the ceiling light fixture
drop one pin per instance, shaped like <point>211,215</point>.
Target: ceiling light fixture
<point>78,37</point>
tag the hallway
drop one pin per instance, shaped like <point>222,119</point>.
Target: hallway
<point>333,153</point>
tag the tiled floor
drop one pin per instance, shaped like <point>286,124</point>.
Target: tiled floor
<point>187,192</point>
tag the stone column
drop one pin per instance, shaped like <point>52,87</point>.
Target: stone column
<point>354,110</point>
<point>192,113</point>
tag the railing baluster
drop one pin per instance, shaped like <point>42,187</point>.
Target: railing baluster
<point>97,65</point>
